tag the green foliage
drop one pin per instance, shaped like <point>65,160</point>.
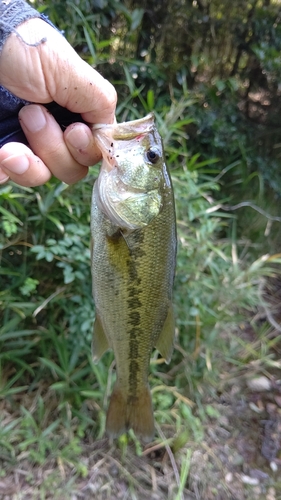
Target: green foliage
<point>226,53</point>
<point>49,336</point>
<point>220,154</point>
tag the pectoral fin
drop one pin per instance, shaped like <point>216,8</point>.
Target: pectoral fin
<point>100,343</point>
<point>165,342</point>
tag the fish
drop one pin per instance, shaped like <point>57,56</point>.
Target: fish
<point>133,229</point>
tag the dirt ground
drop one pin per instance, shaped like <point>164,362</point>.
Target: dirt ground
<point>239,457</point>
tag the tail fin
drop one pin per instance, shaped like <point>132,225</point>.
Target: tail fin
<point>124,414</point>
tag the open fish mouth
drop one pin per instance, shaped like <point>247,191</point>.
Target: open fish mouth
<point>127,130</point>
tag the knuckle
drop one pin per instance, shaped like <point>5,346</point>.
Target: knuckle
<point>111,94</point>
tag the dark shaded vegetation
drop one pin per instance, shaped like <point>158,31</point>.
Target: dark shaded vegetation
<point>225,55</point>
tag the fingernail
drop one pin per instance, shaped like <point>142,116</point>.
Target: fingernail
<point>16,164</point>
<point>32,117</point>
<point>3,177</point>
<point>78,139</point>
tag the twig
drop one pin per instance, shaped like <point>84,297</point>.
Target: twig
<point>254,207</point>
<point>174,391</point>
<point>39,309</point>
<point>155,447</point>
<point>271,319</point>
<point>268,313</point>
<point>171,456</point>
<point>153,478</point>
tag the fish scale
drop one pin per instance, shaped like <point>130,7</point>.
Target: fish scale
<point>133,272</point>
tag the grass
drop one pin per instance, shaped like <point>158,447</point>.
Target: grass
<point>53,398</point>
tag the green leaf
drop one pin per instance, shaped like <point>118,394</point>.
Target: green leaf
<point>53,367</point>
<point>56,221</point>
<point>136,18</point>
<point>150,100</point>
<point>10,217</point>
<point>29,286</point>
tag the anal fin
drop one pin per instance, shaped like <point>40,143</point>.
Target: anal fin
<point>99,343</point>
<point>165,341</point>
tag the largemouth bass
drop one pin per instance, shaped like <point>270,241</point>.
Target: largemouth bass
<point>133,264</point>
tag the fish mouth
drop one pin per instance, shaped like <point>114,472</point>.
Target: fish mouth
<point>126,130</point>
<point>105,136</point>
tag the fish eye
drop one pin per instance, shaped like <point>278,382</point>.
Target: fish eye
<point>152,156</point>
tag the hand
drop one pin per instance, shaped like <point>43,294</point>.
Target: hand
<point>51,71</point>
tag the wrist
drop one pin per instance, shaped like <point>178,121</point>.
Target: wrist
<point>12,14</point>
